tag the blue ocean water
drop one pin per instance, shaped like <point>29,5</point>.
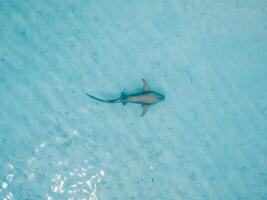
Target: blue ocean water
<point>207,140</point>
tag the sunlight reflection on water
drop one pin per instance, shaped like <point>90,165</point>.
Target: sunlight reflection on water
<point>4,184</point>
<point>77,184</point>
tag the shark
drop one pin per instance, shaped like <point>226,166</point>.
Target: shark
<point>146,98</point>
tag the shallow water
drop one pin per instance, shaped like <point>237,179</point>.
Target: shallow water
<point>207,140</point>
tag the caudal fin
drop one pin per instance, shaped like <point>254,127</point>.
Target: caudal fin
<point>95,98</point>
<point>103,100</point>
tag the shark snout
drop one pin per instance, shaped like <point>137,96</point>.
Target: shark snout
<point>161,97</point>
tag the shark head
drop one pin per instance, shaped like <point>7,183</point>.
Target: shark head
<point>161,97</point>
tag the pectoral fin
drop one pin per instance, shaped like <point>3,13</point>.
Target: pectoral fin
<point>145,86</point>
<point>145,109</point>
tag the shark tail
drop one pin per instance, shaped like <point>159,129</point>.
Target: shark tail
<point>118,100</point>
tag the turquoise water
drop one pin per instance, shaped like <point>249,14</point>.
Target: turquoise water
<point>207,140</point>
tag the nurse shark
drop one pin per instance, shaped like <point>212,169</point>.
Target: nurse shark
<point>146,98</point>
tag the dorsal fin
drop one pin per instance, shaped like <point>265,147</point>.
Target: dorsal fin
<point>145,109</point>
<point>145,86</point>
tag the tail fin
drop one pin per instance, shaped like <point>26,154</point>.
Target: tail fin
<point>105,101</point>
<point>124,98</point>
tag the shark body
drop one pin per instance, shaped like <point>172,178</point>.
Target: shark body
<point>145,98</point>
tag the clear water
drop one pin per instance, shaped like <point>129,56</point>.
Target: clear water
<point>207,140</point>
